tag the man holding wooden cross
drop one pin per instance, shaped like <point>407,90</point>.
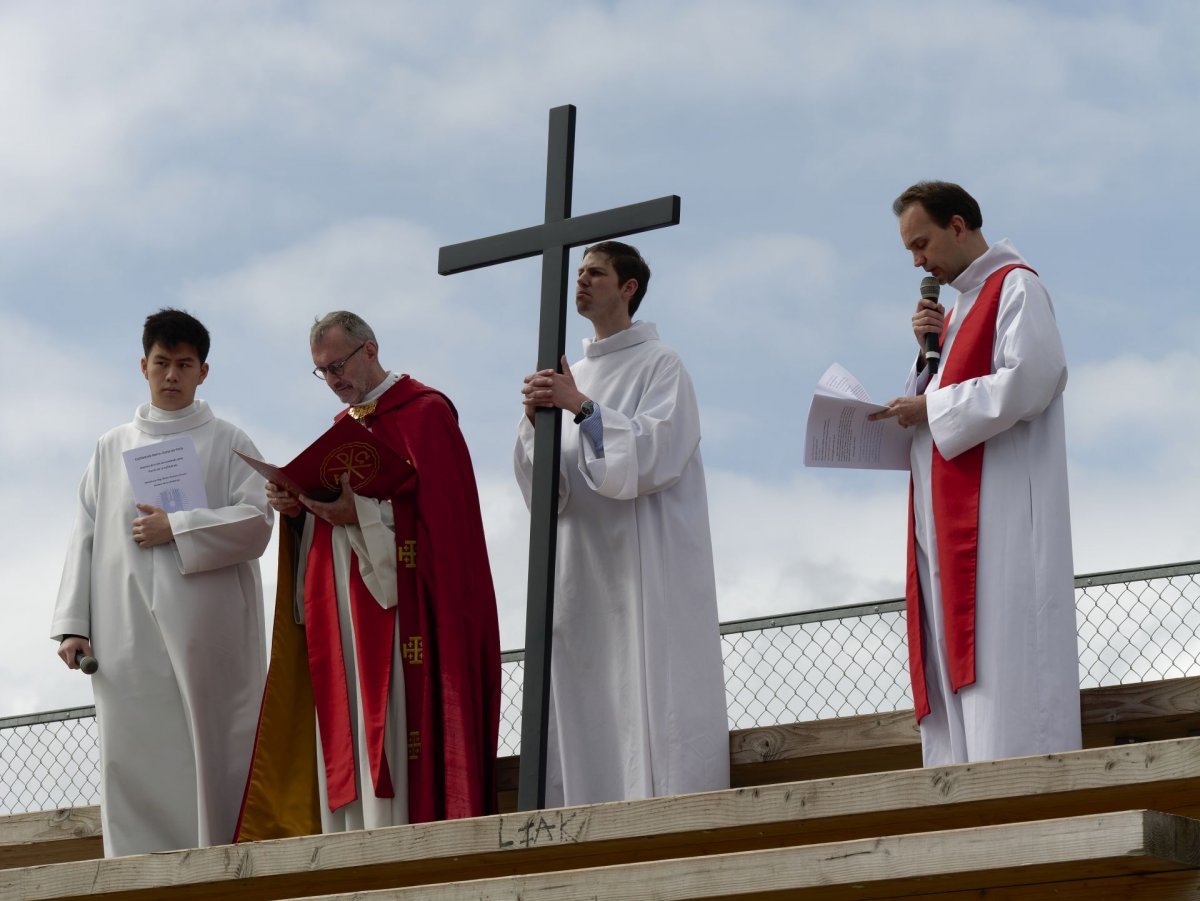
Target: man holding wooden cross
<point>637,693</point>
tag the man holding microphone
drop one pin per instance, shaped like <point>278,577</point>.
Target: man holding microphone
<point>990,583</point>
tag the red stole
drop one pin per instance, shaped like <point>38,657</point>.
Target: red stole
<point>955,494</point>
<point>375,632</point>
<point>374,629</point>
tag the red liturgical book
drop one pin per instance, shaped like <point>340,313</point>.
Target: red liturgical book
<point>375,469</point>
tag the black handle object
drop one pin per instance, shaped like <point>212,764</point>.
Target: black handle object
<point>933,345</point>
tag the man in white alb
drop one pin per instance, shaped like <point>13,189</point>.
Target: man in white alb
<point>637,706</point>
<point>171,606</point>
<point>991,602</point>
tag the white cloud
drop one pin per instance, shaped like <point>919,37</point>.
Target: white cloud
<point>384,269</point>
<point>806,542</point>
<point>758,289</point>
<point>1132,440</point>
<point>265,163</point>
<point>1135,396</point>
<point>506,525</point>
<point>66,395</point>
<point>383,263</point>
<point>160,84</point>
<point>70,389</point>
<point>1127,517</point>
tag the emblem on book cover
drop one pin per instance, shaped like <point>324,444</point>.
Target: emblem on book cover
<point>358,459</point>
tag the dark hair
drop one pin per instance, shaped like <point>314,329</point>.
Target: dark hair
<point>170,328</point>
<point>943,201</point>
<point>629,264</point>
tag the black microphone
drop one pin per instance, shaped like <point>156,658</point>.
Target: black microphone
<point>933,351</point>
<point>88,664</point>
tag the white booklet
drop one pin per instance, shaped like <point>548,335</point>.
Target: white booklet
<point>838,433</point>
<point>167,474</point>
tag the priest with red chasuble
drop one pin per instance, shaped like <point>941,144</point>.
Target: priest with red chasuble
<point>991,601</point>
<point>385,626</point>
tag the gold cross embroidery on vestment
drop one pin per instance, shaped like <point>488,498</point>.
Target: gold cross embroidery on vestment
<point>414,650</point>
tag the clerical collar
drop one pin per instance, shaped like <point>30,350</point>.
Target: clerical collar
<point>158,414</point>
<point>155,421</point>
<point>366,406</point>
<point>1002,253</point>
<point>636,334</point>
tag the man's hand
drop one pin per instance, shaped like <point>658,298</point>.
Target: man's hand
<point>69,647</point>
<point>340,511</point>
<point>908,411</point>
<point>930,317</point>
<point>547,388</point>
<point>283,501</point>
<point>152,529</point>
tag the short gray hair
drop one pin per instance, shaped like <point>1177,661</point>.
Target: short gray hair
<point>352,324</point>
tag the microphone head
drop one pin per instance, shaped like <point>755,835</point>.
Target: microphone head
<point>89,665</point>
<point>930,287</point>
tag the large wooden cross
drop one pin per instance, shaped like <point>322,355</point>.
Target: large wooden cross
<point>553,240</point>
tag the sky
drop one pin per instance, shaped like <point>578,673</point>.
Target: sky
<point>260,164</point>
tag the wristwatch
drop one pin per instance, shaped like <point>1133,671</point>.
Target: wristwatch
<point>585,410</point>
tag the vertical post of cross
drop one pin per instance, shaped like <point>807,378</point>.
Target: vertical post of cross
<point>553,240</point>
<point>543,506</point>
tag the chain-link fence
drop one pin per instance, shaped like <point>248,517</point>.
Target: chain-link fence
<point>1134,626</point>
<point>49,760</point>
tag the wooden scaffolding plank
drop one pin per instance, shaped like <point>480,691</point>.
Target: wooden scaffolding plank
<point>53,836</point>
<point>1025,859</point>
<point>792,752</point>
<point>760,756</point>
<point>871,743</point>
<point>1161,775</point>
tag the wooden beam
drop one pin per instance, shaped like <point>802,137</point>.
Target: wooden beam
<point>877,742</point>
<point>819,749</point>
<point>1142,711</point>
<point>51,836</point>
<point>1162,775</point>
<point>872,743</point>
<point>1024,860</point>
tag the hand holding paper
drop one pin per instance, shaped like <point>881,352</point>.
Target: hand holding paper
<point>153,527</point>
<point>908,411</point>
<point>841,432</point>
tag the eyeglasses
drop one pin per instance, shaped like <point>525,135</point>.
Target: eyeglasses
<point>337,367</point>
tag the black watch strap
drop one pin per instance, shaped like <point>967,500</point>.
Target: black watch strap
<point>585,410</point>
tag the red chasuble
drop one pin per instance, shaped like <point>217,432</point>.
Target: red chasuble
<point>445,622</point>
<point>955,495</point>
